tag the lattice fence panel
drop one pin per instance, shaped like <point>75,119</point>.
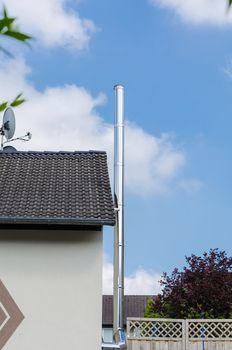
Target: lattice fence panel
<point>179,329</point>
<point>210,329</point>
<point>159,329</point>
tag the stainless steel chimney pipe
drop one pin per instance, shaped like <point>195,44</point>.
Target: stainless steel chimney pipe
<point>119,341</point>
<point>119,207</point>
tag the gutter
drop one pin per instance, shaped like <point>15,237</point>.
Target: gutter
<point>66,221</point>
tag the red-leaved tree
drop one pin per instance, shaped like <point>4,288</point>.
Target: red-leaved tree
<point>202,290</point>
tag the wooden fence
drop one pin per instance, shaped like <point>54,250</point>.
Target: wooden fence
<point>177,334</point>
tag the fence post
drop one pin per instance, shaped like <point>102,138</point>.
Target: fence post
<point>183,335</point>
<point>127,328</point>
<point>186,334</point>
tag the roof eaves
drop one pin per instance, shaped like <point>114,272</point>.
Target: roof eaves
<point>58,221</point>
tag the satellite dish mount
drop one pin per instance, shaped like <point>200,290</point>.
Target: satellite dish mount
<point>8,129</point>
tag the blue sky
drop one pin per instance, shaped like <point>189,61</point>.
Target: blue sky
<point>174,58</point>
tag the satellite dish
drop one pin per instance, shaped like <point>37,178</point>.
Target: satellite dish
<point>9,149</point>
<point>8,123</point>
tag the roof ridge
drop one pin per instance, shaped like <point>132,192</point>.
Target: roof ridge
<point>52,152</point>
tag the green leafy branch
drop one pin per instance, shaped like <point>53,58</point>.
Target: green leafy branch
<point>16,102</point>
<point>9,29</point>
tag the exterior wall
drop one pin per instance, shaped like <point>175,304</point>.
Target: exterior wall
<point>55,278</point>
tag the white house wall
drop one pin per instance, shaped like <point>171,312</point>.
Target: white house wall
<point>55,278</point>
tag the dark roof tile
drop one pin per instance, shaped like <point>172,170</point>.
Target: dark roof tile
<point>134,306</point>
<point>55,187</point>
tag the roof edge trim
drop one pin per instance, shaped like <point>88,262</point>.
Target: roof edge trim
<point>57,221</point>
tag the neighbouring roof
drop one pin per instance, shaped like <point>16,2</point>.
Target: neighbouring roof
<point>55,188</point>
<point>134,306</point>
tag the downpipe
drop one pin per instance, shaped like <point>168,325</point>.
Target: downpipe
<point>119,338</point>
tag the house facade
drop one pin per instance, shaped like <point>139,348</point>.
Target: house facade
<point>53,206</point>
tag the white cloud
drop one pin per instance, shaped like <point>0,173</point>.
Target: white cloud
<point>199,11</point>
<point>51,22</point>
<point>141,282</point>
<point>66,118</point>
<point>227,70</point>
<point>151,162</point>
<point>191,186</point>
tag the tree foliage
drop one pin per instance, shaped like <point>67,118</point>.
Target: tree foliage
<point>8,28</point>
<point>18,100</point>
<point>202,290</point>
